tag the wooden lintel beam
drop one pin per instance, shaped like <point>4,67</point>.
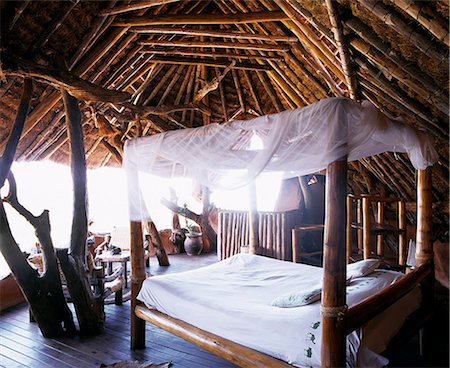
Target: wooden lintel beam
<point>208,62</point>
<point>76,86</point>
<point>264,16</point>
<point>212,33</point>
<point>219,45</point>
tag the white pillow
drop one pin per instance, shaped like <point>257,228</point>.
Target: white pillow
<point>362,268</point>
<point>297,299</point>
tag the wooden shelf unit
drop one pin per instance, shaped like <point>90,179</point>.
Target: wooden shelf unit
<point>369,226</point>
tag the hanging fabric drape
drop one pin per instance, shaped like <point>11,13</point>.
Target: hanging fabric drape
<point>295,142</point>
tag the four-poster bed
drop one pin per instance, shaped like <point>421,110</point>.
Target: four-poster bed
<point>323,135</point>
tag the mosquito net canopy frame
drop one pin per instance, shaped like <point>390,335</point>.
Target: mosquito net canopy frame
<point>294,142</point>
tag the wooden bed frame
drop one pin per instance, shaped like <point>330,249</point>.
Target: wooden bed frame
<point>337,319</point>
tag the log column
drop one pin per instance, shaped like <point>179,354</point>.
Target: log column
<point>137,278</point>
<point>333,308</point>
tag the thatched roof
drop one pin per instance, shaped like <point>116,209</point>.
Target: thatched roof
<point>186,63</point>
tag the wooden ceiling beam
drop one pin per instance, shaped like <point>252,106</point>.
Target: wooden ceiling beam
<point>390,17</point>
<point>219,45</point>
<point>212,33</point>
<point>311,41</point>
<point>208,62</point>
<point>147,20</point>
<point>138,5</point>
<point>431,21</point>
<point>77,87</point>
<point>336,27</point>
<point>168,52</point>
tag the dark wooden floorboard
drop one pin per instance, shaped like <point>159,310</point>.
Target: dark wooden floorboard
<point>22,345</point>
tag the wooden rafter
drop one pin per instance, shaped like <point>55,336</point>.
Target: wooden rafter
<point>139,5</point>
<point>177,51</point>
<point>439,97</point>
<point>207,62</point>
<point>432,22</point>
<point>212,33</point>
<point>336,27</point>
<point>389,16</point>
<point>60,79</point>
<point>215,44</point>
<point>266,16</point>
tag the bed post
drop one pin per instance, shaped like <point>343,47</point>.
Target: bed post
<point>424,246</point>
<point>333,308</point>
<point>137,277</point>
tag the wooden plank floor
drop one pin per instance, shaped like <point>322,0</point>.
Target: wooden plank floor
<point>22,345</point>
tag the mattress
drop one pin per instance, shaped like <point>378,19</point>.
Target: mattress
<point>232,299</point>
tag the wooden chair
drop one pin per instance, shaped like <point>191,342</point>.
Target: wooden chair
<point>299,251</point>
<point>369,226</point>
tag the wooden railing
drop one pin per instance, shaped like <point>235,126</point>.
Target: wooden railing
<point>275,237</point>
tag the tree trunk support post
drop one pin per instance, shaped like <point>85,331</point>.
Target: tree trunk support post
<point>137,278</point>
<point>334,308</point>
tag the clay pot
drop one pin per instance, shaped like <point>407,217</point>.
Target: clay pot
<point>193,244</point>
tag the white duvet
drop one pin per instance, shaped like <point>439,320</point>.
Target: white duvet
<point>232,299</point>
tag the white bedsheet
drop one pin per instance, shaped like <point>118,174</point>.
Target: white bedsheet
<point>232,299</point>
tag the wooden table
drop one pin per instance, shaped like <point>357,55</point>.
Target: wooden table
<point>109,259</point>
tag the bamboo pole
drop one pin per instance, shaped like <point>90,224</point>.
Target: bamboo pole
<point>238,354</point>
<point>208,62</point>
<point>265,16</point>
<point>168,51</point>
<point>253,92</point>
<point>407,106</point>
<point>253,218</point>
<point>269,89</point>
<point>391,18</point>
<point>293,95</point>
<point>215,44</point>
<point>310,39</point>
<point>366,227</point>
<point>391,69</point>
<point>349,237</point>
<point>336,27</point>
<point>424,247</point>
<point>431,22</point>
<point>402,240</point>
<point>333,308</point>
<point>140,5</point>
<point>212,33</point>
<point>439,97</point>
<point>380,220</point>
<point>137,324</point>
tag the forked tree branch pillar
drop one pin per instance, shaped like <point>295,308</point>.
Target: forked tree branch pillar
<point>333,308</point>
<point>137,278</point>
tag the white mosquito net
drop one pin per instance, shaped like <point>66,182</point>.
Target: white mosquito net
<point>294,142</point>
